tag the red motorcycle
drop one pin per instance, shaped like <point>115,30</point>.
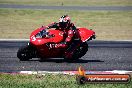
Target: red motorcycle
<point>40,39</point>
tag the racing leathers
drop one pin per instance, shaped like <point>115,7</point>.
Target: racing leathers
<point>71,39</point>
<point>68,36</point>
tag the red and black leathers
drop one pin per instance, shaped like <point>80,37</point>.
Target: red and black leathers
<point>69,33</point>
<point>71,39</point>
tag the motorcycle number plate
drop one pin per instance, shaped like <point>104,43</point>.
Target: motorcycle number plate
<point>33,38</point>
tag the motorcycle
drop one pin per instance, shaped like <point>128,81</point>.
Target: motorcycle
<point>40,39</point>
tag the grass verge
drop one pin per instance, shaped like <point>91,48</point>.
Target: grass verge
<point>49,81</point>
<point>70,2</point>
<point>108,25</point>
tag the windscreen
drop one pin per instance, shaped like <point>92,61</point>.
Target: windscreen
<point>41,34</point>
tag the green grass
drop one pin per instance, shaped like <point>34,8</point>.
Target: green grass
<point>70,2</point>
<point>49,81</point>
<point>108,25</point>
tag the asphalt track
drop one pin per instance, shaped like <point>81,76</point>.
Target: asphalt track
<point>102,56</point>
<point>113,8</point>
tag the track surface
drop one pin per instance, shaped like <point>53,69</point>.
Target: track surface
<point>115,8</point>
<point>102,56</point>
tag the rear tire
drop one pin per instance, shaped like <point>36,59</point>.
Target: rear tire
<point>78,53</point>
<point>83,49</point>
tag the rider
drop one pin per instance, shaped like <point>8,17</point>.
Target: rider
<point>67,27</point>
<point>69,30</point>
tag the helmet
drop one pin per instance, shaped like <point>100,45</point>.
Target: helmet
<point>64,21</point>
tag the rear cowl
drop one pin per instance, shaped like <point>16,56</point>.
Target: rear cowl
<point>85,34</point>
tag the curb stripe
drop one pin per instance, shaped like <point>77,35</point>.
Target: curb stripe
<point>70,72</point>
<point>75,72</point>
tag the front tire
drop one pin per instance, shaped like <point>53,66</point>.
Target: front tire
<point>24,53</point>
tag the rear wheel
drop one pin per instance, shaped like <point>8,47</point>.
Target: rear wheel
<point>83,49</point>
<point>77,53</point>
<point>25,53</point>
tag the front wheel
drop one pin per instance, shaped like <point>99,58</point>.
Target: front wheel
<point>24,53</point>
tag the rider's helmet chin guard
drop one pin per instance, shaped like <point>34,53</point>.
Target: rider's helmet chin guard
<point>64,21</point>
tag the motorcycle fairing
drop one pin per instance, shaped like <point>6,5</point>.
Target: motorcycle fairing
<point>57,37</point>
<point>84,34</point>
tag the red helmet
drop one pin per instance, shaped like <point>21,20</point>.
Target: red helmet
<point>64,21</point>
